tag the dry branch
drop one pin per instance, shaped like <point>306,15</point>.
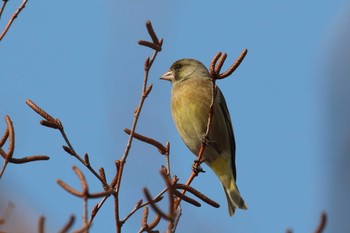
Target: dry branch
<point>13,17</point>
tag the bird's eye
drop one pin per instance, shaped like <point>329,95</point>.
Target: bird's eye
<point>177,67</point>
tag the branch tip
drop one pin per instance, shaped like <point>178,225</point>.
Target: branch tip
<point>151,32</point>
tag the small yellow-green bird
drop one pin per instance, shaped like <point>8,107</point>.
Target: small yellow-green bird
<point>191,97</point>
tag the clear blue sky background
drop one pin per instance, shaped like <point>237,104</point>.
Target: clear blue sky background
<point>80,61</point>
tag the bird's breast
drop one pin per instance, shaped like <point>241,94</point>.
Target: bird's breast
<point>190,109</point>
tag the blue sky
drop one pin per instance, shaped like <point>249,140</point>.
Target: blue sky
<point>81,62</point>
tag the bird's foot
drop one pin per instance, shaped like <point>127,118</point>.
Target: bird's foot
<point>196,167</point>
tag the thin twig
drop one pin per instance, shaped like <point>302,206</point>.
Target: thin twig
<point>151,141</point>
<point>167,157</point>
<point>154,206</point>
<point>6,161</point>
<point>41,224</point>
<point>168,183</point>
<point>186,198</point>
<point>235,65</point>
<point>11,130</point>
<point>322,224</point>
<point>197,194</point>
<point>8,156</point>
<point>4,2</point>
<point>68,225</point>
<point>95,210</point>
<point>85,214</point>
<point>14,16</point>
<point>27,159</point>
<point>145,91</point>
<point>144,218</point>
<point>138,206</point>
<point>85,194</point>
<point>155,221</point>
<point>4,137</point>
<point>56,124</point>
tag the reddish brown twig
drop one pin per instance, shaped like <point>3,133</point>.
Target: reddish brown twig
<point>55,123</point>
<point>197,194</point>
<point>148,227</point>
<point>322,224</point>
<point>145,91</point>
<point>154,205</point>
<point>169,185</point>
<point>155,222</point>
<point>29,159</point>
<point>9,135</point>
<point>68,225</point>
<point>150,45</point>
<point>41,224</point>
<point>85,190</point>
<point>49,120</point>
<point>4,2</point>
<point>14,16</point>
<point>156,44</point>
<point>85,195</point>
<point>144,219</point>
<point>162,149</point>
<point>186,198</point>
<point>4,137</point>
<point>218,61</point>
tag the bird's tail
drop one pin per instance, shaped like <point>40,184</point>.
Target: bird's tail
<point>234,199</point>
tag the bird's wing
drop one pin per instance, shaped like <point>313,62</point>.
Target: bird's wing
<point>226,114</point>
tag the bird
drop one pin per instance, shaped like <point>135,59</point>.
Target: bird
<point>191,97</point>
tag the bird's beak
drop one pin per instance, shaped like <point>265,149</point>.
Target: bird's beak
<point>169,76</point>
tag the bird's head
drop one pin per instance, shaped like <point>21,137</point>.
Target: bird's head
<point>184,69</point>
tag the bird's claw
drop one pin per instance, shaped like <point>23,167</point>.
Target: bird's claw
<point>196,167</point>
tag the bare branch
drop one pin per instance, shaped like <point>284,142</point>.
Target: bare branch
<point>235,65</point>
<point>11,137</point>
<point>322,224</point>
<point>155,221</point>
<point>14,16</point>
<point>4,137</point>
<point>186,198</point>
<point>145,91</point>
<point>150,45</point>
<point>68,225</point>
<point>27,159</point>
<point>197,194</point>
<point>144,217</point>
<point>162,149</point>
<point>154,206</point>
<point>50,121</point>
<point>156,44</point>
<point>8,156</point>
<point>4,2</point>
<point>168,183</point>
<point>151,32</point>
<point>42,224</point>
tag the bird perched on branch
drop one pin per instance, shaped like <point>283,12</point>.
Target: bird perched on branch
<point>191,97</point>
